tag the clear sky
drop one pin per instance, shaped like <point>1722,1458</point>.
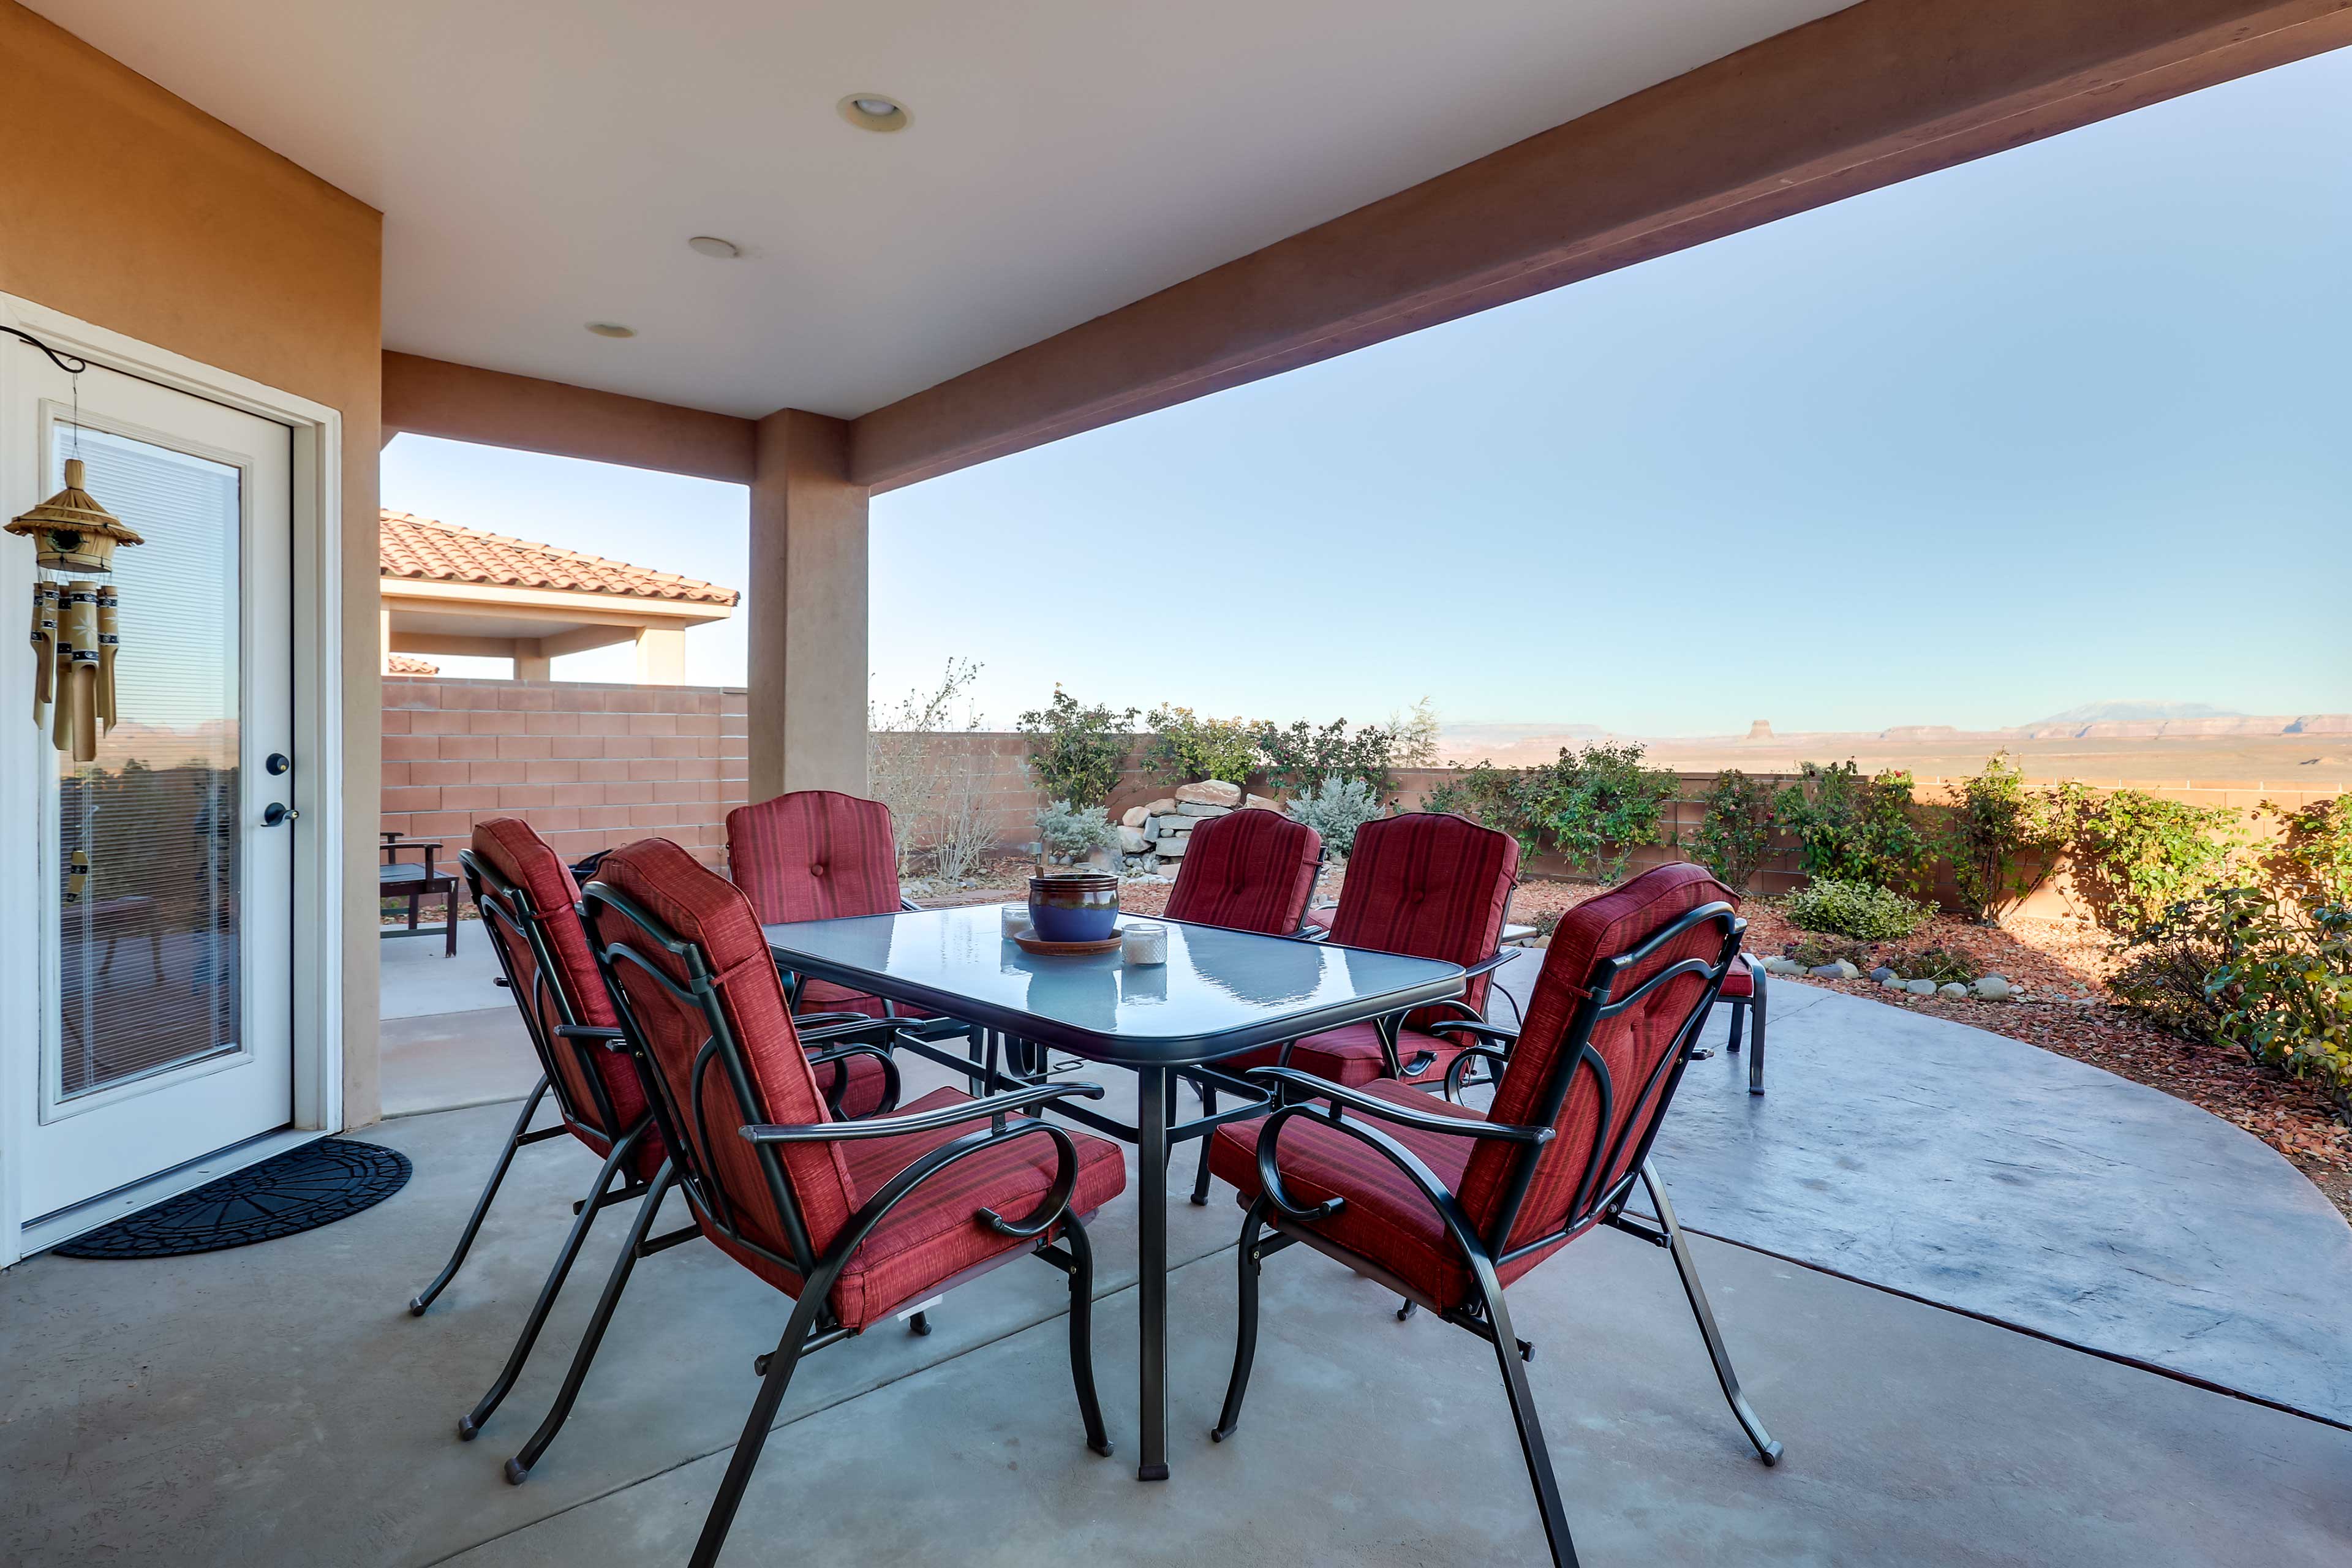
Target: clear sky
<point>2067,424</point>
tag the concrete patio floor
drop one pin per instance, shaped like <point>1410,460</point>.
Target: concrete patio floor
<point>276,1404</point>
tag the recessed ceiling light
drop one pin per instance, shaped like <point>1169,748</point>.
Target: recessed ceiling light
<point>871,111</point>
<point>612,329</point>
<point>711,245</point>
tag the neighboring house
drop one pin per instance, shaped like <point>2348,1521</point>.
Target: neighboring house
<point>450,590</point>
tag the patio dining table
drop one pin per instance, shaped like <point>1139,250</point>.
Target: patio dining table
<point>1220,992</point>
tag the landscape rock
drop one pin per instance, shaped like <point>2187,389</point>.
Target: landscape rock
<point>1993,988</point>
<point>1210,792</point>
<point>1131,840</point>
<point>1840,970</point>
<point>1952,990</point>
<point>1920,987</point>
<point>1171,847</point>
<point>1165,806</point>
<point>1260,803</point>
<point>1196,809</point>
<point>1892,981</point>
<point>1136,817</point>
<point>1884,974</point>
<point>1783,966</point>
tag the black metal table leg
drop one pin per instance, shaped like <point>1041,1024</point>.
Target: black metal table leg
<point>1152,1261</point>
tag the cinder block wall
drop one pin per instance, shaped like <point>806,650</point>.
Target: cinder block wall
<point>590,767</point>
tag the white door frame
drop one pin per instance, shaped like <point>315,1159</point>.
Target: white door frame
<point>318,919</point>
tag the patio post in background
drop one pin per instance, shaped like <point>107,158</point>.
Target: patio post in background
<point>807,609</point>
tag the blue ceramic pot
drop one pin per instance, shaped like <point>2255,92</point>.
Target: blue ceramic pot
<point>1074,909</point>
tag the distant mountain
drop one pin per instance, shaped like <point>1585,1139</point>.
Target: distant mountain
<point>2105,712</point>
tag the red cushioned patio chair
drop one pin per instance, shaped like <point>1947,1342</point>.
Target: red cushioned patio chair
<point>1250,871</point>
<point>852,1219</point>
<point>817,854</point>
<point>1432,885</point>
<point>527,901</point>
<point>1448,1206</point>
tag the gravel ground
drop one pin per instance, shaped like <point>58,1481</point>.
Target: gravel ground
<point>2061,965</point>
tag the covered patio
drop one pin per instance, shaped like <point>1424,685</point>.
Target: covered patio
<point>825,252</point>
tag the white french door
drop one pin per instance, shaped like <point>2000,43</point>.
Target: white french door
<point>163,900</point>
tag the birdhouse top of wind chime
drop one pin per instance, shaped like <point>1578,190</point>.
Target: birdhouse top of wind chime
<point>71,531</point>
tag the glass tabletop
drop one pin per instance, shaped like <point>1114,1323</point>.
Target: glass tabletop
<point>1220,992</point>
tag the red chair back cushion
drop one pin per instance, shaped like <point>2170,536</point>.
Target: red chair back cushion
<point>1252,870</point>
<point>508,847</point>
<point>1430,885</point>
<point>701,906</point>
<point>1632,1044</point>
<point>812,854</point>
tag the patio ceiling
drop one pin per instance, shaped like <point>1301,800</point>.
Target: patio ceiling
<point>541,165</point>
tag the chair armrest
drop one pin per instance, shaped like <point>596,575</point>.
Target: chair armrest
<point>923,1122</point>
<point>1478,1029</point>
<point>851,1026</point>
<point>804,1022</point>
<point>1309,1086</point>
<point>588,1032</point>
<point>909,906</point>
<point>1491,962</point>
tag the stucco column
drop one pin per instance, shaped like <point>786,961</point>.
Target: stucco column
<point>807,609</point>
<point>661,656</point>
<point>530,664</point>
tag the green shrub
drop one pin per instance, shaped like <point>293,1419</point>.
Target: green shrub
<point>1855,909</point>
<point>1076,752</point>
<point>1336,810</point>
<point>1072,833</point>
<point>2004,840</point>
<point>2134,855</point>
<point>1298,758</point>
<point>1734,831</point>
<point>2245,968</point>
<point>2312,862</point>
<point>1595,807</point>
<point>1853,828</point>
<point>1187,748</point>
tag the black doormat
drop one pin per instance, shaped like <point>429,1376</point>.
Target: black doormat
<point>300,1190</point>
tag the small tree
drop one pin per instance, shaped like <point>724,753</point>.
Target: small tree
<point>934,782</point>
<point>1187,748</point>
<point>1735,833</point>
<point>1853,828</point>
<point>2003,839</point>
<point>1076,752</point>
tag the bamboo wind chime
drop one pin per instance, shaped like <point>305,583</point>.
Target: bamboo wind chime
<point>75,631</point>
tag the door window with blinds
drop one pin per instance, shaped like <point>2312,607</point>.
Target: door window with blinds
<point>149,972</point>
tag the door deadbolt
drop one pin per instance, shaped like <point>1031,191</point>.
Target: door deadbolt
<point>276,813</point>
<point>277,764</point>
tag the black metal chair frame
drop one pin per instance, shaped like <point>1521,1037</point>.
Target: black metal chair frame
<point>1739,1006</point>
<point>510,907</point>
<point>813,1324</point>
<point>1597,1201</point>
<point>429,882</point>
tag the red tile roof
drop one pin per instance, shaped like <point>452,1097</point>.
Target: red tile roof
<point>409,664</point>
<point>426,551</point>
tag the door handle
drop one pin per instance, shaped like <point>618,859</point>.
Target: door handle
<point>275,814</point>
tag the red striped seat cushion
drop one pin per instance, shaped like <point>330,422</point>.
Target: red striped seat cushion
<point>1252,870</point>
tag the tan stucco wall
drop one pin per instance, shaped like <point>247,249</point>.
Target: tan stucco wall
<point>126,206</point>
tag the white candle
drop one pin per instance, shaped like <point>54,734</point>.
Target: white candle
<point>1144,944</point>
<point>1016,919</point>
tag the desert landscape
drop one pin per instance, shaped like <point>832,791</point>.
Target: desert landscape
<point>2175,744</point>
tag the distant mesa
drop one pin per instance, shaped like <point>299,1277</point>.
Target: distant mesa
<point>2101,712</point>
<point>1761,729</point>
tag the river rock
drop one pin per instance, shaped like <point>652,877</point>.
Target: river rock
<point>1884,975</point>
<point>1165,806</point>
<point>1920,987</point>
<point>1210,792</point>
<point>1993,988</point>
<point>1840,970</point>
<point>1952,990</point>
<point>1132,841</point>
<point>1260,803</point>
<point>1172,846</point>
<point>1136,817</point>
